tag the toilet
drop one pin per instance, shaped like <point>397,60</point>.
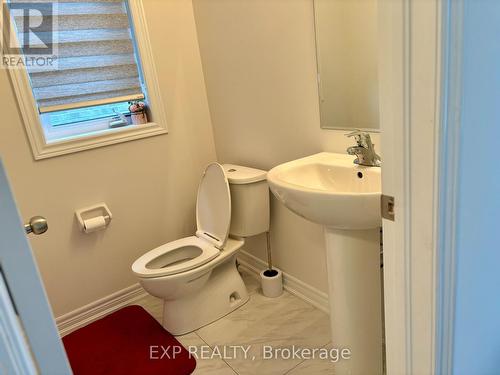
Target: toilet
<point>197,276</point>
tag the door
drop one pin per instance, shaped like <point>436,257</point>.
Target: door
<point>32,341</point>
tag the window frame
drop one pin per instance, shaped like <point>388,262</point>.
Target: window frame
<point>43,149</point>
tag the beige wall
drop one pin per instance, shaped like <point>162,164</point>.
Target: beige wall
<point>259,65</point>
<point>260,72</point>
<point>149,185</point>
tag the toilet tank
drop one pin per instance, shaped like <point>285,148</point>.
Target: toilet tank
<point>249,200</point>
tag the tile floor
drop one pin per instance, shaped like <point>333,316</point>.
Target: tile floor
<point>279,322</point>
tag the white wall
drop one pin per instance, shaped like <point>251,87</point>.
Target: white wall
<point>150,184</point>
<point>260,73</point>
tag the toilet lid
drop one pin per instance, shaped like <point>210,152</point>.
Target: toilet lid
<point>213,206</point>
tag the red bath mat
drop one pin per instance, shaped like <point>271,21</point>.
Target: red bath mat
<point>128,341</point>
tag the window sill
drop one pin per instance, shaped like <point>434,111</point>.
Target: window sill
<point>97,139</point>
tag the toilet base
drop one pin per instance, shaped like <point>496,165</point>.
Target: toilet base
<point>223,293</point>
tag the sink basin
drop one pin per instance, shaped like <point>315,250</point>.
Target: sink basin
<point>329,189</point>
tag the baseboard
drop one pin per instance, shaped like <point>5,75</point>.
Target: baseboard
<point>78,318</point>
<point>291,284</point>
<point>82,316</point>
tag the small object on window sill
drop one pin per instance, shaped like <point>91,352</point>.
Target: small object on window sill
<point>139,118</point>
<point>117,122</point>
<point>138,112</point>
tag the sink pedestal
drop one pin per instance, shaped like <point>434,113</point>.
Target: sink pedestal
<point>354,276</point>
<point>330,190</point>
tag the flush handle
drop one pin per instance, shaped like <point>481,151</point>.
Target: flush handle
<point>36,225</point>
<point>387,207</point>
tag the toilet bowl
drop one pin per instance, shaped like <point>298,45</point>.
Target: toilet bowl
<point>196,276</point>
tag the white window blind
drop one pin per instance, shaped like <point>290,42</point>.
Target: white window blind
<point>96,59</point>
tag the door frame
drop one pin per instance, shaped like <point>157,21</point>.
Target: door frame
<point>15,353</point>
<point>416,146</point>
<point>453,25</point>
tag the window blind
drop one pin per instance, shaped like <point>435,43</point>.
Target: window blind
<point>96,60</point>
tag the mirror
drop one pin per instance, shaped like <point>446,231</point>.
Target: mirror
<point>347,58</point>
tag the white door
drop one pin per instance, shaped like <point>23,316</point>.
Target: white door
<point>31,343</point>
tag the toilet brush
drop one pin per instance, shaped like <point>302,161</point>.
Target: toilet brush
<point>271,278</point>
<point>269,272</point>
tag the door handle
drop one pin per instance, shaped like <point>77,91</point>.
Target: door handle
<point>37,225</point>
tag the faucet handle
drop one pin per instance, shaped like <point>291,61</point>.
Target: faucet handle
<point>360,137</point>
<point>354,133</point>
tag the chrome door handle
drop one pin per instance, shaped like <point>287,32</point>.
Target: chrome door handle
<point>37,225</point>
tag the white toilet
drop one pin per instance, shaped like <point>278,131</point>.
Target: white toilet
<point>197,276</point>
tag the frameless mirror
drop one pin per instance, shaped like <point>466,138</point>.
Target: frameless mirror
<point>347,58</point>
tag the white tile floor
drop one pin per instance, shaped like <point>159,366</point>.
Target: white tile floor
<point>279,322</point>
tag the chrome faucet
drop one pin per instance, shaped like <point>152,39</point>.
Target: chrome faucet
<point>364,150</point>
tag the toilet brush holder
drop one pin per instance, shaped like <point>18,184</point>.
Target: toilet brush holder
<point>272,282</point>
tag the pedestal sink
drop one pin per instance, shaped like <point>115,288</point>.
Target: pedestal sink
<point>329,189</point>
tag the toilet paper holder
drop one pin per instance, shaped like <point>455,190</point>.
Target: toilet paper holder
<point>84,215</point>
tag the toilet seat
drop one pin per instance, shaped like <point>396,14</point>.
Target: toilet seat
<point>213,218</point>
<point>175,257</point>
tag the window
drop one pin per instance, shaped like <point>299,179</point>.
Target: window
<point>82,65</point>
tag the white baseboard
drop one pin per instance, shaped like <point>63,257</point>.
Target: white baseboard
<point>78,318</point>
<point>291,284</point>
<point>82,316</point>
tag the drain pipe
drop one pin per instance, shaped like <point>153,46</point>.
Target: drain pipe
<point>271,278</point>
